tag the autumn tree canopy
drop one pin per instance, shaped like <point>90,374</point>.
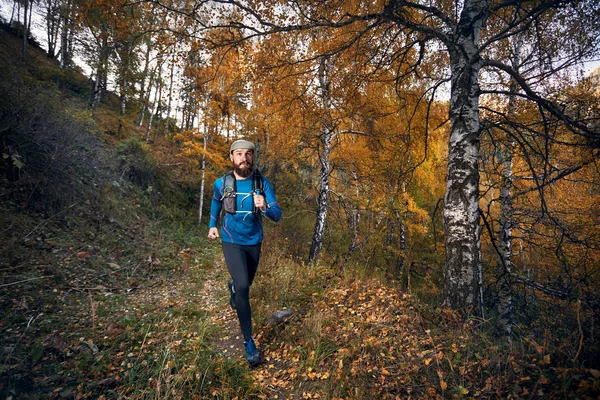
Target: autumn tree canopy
<point>467,44</point>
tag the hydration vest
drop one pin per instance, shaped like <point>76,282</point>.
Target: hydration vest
<point>230,191</point>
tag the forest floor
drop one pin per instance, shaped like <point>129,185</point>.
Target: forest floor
<point>81,323</point>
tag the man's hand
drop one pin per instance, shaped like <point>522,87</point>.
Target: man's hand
<point>259,201</point>
<point>213,233</point>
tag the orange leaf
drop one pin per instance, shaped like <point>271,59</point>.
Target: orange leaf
<point>547,359</point>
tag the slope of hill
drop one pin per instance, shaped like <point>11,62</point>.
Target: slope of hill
<point>79,210</point>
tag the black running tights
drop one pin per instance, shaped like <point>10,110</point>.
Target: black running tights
<point>242,263</point>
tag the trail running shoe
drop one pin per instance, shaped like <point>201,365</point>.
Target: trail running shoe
<point>231,294</point>
<point>252,354</point>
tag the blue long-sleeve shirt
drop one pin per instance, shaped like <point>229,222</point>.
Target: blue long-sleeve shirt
<point>243,227</point>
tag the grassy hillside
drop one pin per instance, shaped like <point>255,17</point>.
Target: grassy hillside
<point>85,214</point>
<point>109,289</point>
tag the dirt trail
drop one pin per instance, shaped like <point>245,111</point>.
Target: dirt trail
<point>229,344</point>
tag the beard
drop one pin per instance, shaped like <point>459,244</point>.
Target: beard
<point>243,169</point>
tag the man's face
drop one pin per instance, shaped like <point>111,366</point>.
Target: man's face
<point>243,161</point>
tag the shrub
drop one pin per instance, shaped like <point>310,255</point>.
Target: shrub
<point>135,163</point>
<point>50,150</point>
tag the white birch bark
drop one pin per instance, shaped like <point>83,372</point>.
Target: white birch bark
<point>170,102</point>
<point>402,221</point>
<point>203,168</point>
<point>504,243</point>
<point>325,140</point>
<point>124,81</point>
<point>144,90</point>
<point>70,45</point>
<point>101,72</point>
<point>158,108</point>
<point>462,274</point>
<point>154,110</point>
<point>124,98</point>
<point>354,217</point>
<point>507,211</point>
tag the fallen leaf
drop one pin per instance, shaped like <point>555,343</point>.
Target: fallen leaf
<point>547,359</point>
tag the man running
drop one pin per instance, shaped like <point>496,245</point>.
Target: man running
<point>246,197</point>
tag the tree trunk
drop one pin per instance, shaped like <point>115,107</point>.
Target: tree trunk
<point>402,220</point>
<point>71,37</point>
<point>66,34</point>
<point>354,222</point>
<point>101,73</point>
<point>169,103</point>
<point>154,109</point>
<point>504,244</point>
<point>52,26</point>
<point>96,91</point>
<point>124,81</point>
<point>507,211</point>
<point>324,161</point>
<point>354,217</point>
<point>158,110</point>
<point>149,126</point>
<point>323,198</point>
<point>25,29</point>
<point>462,273</point>
<point>29,18</point>
<point>144,89</point>
<point>123,107</point>
<point>203,168</point>
<point>16,7</point>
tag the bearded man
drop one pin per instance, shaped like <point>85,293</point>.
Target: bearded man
<point>246,196</point>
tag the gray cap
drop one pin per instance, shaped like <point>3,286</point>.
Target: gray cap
<point>241,144</point>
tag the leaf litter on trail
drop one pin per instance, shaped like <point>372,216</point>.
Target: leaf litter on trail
<point>357,340</point>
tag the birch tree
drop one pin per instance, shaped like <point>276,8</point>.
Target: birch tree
<point>59,16</point>
<point>170,97</point>
<point>506,206</point>
<point>100,69</point>
<point>155,106</point>
<point>67,33</point>
<point>203,169</point>
<point>146,83</point>
<point>26,22</point>
<point>53,20</point>
<point>324,150</point>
